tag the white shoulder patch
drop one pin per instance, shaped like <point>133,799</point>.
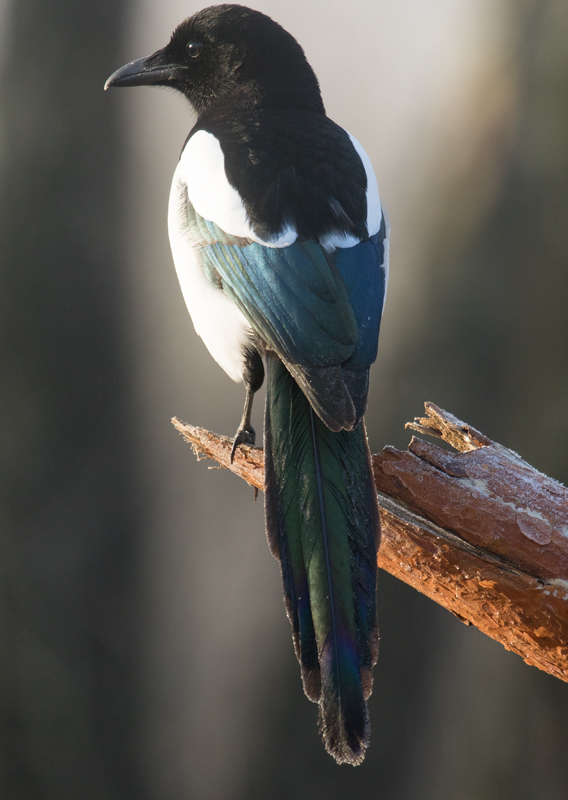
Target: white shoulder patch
<point>374,212</point>
<point>331,241</point>
<point>202,169</point>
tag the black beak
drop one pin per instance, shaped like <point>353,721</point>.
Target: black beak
<point>143,72</point>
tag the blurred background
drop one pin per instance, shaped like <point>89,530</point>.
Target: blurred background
<point>145,650</point>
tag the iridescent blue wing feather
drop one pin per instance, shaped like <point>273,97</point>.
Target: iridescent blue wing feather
<point>320,313</point>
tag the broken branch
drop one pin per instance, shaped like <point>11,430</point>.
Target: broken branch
<point>479,531</point>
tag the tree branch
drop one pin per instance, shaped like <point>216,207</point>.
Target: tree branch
<point>479,531</point>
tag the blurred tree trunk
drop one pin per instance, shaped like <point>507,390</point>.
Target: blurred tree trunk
<point>496,352</point>
<point>68,548</point>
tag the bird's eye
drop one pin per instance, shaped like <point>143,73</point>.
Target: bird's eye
<point>194,49</point>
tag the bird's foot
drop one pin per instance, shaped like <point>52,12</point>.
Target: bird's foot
<point>243,436</point>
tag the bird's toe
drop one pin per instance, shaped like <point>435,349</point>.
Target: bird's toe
<point>243,436</point>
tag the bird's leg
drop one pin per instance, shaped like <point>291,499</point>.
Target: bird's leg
<point>245,434</point>
<point>253,376</point>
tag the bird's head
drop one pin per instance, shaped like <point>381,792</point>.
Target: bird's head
<point>224,52</point>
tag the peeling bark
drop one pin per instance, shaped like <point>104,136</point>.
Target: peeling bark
<point>479,531</point>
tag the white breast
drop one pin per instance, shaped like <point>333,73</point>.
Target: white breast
<point>216,318</point>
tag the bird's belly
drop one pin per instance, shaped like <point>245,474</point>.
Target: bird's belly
<point>216,318</point>
<point>223,328</point>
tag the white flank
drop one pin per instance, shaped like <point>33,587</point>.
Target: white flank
<point>202,169</point>
<point>216,318</point>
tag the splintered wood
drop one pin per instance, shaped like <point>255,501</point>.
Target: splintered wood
<point>479,531</point>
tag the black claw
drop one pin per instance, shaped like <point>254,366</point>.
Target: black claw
<point>243,436</point>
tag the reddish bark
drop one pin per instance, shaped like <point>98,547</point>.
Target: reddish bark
<point>479,531</point>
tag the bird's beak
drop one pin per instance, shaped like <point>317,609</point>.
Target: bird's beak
<point>144,72</point>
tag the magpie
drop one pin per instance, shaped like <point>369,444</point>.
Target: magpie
<point>281,249</point>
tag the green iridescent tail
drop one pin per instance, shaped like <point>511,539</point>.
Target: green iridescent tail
<point>323,526</point>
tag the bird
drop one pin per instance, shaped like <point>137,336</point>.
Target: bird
<point>280,244</point>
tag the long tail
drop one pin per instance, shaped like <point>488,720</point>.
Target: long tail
<point>322,524</point>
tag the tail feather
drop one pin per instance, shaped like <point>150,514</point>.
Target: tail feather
<point>322,524</point>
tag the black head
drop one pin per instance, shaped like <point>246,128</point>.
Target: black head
<point>229,52</point>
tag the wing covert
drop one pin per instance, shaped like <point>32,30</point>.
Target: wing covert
<point>294,297</point>
<point>319,312</point>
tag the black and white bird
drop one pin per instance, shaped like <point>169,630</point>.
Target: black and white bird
<point>280,245</point>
